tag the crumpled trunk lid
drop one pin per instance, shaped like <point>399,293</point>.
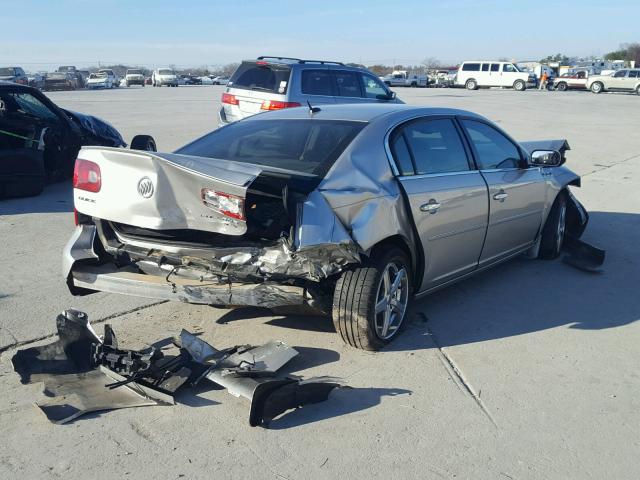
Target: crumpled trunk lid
<point>163,191</point>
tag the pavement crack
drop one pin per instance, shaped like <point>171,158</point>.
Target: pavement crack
<point>458,376</point>
<point>605,167</point>
<point>22,343</point>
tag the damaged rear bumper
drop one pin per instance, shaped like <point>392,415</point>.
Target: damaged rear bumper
<point>85,273</point>
<point>107,278</point>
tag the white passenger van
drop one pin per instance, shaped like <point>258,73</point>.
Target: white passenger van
<point>486,73</point>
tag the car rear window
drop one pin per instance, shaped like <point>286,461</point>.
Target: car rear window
<point>261,77</point>
<point>307,146</point>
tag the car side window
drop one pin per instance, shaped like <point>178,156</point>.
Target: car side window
<point>348,84</point>
<point>492,148</point>
<point>633,73</point>
<point>485,67</point>
<point>620,74</point>
<point>401,155</point>
<point>373,88</point>
<point>317,82</point>
<point>434,147</point>
<point>495,67</point>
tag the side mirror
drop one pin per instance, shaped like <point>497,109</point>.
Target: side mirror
<point>546,158</point>
<point>389,96</point>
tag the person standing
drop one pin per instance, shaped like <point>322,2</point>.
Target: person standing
<point>543,81</point>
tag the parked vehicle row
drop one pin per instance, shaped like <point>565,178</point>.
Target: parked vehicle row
<point>402,78</point>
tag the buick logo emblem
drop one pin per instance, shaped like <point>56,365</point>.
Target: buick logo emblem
<point>145,187</point>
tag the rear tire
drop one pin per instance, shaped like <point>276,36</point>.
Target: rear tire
<point>554,229</point>
<point>562,86</point>
<point>143,142</point>
<point>519,85</point>
<point>471,84</point>
<point>382,285</point>
<point>597,87</point>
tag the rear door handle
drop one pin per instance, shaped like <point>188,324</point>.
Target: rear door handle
<point>431,207</point>
<point>500,196</point>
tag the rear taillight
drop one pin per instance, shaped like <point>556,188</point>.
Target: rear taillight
<point>229,99</point>
<point>229,205</point>
<point>276,105</point>
<point>86,176</point>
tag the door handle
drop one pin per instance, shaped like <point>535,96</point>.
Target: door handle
<point>500,196</point>
<point>431,207</point>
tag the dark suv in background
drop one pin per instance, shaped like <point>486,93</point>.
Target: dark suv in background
<point>273,83</point>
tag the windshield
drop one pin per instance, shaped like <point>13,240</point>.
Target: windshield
<point>134,72</point>
<point>165,71</point>
<point>98,75</point>
<point>27,104</point>
<point>307,146</point>
<point>262,77</point>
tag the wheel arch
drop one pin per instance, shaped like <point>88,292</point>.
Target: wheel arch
<point>416,256</point>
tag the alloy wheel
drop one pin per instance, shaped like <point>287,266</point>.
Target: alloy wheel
<point>391,300</point>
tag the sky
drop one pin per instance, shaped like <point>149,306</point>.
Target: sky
<point>195,33</point>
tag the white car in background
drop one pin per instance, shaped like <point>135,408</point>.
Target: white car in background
<point>113,78</point>
<point>486,73</point>
<point>220,80</point>
<point>99,80</point>
<point>164,76</point>
<point>133,76</point>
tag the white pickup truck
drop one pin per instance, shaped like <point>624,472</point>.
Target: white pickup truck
<point>402,78</point>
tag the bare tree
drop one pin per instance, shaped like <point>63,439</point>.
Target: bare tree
<point>431,63</point>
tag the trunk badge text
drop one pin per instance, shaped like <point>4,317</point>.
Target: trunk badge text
<point>145,187</point>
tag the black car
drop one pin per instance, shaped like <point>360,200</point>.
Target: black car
<point>39,141</point>
<point>191,80</point>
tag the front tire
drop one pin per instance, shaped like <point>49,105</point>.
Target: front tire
<point>562,86</point>
<point>471,84</point>
<point>597,87</point>
<point>370,302</point>
<point>519,85</point>
<point>554,229</point>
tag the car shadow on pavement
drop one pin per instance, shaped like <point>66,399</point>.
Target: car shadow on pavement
<point>341,401</point>
<point>310,323</point>
<point>524,296</point>
<point>57,197</point>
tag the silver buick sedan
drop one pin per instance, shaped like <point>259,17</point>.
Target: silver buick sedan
<point>353,210</point>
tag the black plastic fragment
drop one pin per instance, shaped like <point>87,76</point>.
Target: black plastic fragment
<point>583,256</point>
<point>71,353</point>
<point>273,398</point>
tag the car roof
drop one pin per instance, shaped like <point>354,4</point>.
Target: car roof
<point>362,112</point>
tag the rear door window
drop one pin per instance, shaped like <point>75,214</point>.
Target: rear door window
<point>434,147</point>
<point>347,83</point>
<point>317,82</point>
<point>633,73</point>
<point>262,77</point>
<point>495,67</point>
<point>307,146</point>
<point>485,67</point>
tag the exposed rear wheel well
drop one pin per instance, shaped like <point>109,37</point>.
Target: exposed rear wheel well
<point>417,264</point>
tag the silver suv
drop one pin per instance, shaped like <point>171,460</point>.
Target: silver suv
<point>274,83</point>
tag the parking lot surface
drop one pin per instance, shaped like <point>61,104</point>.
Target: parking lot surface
<point>531,370</point>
